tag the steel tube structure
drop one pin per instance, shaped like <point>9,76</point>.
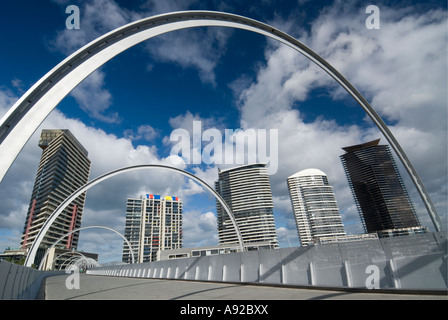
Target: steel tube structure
<point>20,122</point>
<point>68,262</point>
<point>87,262</point>
<point>33,250</point>
<point>79,254</point>
<point>28,263</point>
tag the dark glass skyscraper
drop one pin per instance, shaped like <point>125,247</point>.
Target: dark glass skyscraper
<point>377,187</point>
<point>64,167</point>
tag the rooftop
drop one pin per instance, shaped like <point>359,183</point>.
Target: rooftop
<point>308,172</point>
<point>362,146</point>
<point>242,167</point>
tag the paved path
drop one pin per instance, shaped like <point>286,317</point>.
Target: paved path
<point>116,288</point>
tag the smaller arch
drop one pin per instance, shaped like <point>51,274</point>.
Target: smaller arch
<point>33,250</point>
<point>69,262</point>
<point>75,253</point>
<point>79,263</point>
<point>79,229</point>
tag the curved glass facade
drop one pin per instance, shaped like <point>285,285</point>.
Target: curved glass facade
<point>314,205</point>
<point>247,191</point>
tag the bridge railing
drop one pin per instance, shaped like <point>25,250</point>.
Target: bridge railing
<point>19,282</point>
<point>416,262</point>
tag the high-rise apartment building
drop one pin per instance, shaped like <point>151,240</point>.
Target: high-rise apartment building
<point>152,224</point>
<point>314,205</point>
<point>64,167</point>
<point>377,187</point>
<point>247,191</point>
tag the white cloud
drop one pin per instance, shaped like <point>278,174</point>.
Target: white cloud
<point>144,132</point>
<point>94,99</point>
<point>200,49</point>
<point>200,229</point>
<point>7,99</point>
<point>93,23</point>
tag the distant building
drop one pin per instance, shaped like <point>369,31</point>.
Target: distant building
<point>210,250</point>
<point>347,238</point>
<point>64,167</point>
<point>152,224</point>
<point>247,191</point>
<point>14,255</point>
<point>379,192</point>
<point>314,205</point>
<point>59,258</point>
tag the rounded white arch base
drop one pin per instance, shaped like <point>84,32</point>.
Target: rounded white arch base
<point>20,122</point>
<point>33,250</point>
<point>79,229</point>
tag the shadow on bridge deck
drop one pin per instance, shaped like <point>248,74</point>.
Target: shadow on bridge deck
<point>118,288</point>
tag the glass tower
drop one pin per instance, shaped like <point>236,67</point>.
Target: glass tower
<point>64,167</point>
<point>152,224</point>
<point>247,191</point>
<point>314,205</point>
<point>377,187</point>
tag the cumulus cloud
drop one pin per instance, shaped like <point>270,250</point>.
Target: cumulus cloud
<point>200,229</point>
<point>200,49</point>
<point>144,132</point>
<point>94,99</point>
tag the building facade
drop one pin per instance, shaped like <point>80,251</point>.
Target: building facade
<point>153,223</point>
<point>210,250</point>
<point>247,191</point>
<point>64,167</point>
<point>376,184</point>
<point>314,205</point>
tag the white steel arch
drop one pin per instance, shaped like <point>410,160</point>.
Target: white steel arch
<point>28,262</point>
<point>33,250</point>
<point>20,122</point>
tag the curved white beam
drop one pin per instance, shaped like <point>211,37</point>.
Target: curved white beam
<point>69,233</point>
<point>42,232</point>
<point>20,122</point>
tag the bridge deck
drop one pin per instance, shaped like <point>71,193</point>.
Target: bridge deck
<point>118,288</point>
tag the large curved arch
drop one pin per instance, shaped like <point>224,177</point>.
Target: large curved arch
<point>33,250</point>
<point>76,230</point>
<point>20,122</point>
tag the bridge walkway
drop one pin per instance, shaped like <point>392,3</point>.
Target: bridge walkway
<point>120,288</point>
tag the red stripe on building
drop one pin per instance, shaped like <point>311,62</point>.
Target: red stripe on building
<point>28,226</point>
<point>72,227</point>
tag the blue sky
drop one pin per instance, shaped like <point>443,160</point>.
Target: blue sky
<point>125,112</point>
